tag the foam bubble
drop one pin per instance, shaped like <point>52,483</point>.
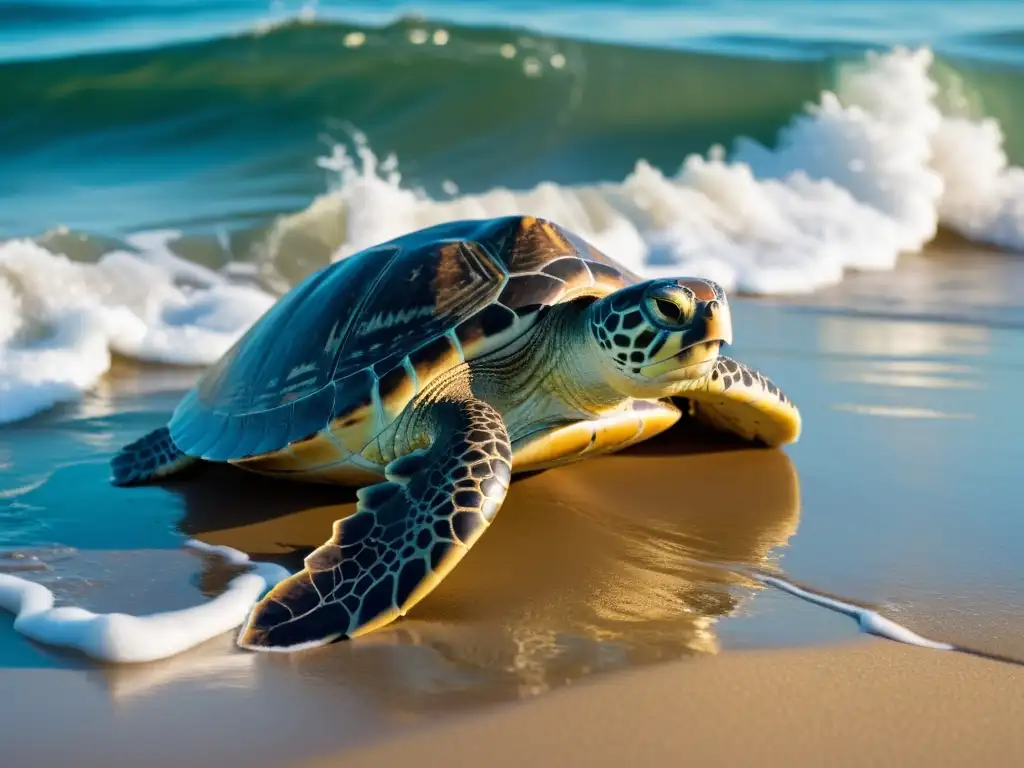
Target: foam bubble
<point>120,638</point>
<point>60,320</point>
<point>869,621</point>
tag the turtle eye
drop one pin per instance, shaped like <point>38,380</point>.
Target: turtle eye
<point>668,310</point>
<point>670,306</point>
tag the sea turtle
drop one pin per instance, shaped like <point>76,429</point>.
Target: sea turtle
<point>427,370</point>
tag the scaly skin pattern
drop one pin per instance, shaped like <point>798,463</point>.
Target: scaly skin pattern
<point>735,398</point>
<point>407,534</point>
<point>152,456</point>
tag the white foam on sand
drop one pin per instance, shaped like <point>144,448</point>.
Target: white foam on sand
<point>869,621</point>
<point>120,638</point>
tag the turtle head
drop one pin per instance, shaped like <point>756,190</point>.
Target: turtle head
<point>654,335</point>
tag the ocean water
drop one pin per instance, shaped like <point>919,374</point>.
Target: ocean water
<point>168,169</point>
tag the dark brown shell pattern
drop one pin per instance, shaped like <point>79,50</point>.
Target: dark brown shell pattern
<point>394,315</point>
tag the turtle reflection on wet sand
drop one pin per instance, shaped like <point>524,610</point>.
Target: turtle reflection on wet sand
<point>628,573</point>
<point>425,371</point>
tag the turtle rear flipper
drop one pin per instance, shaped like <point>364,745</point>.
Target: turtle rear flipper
<point>150,457</point>
<point>406,535</point>
<point>735,398</point>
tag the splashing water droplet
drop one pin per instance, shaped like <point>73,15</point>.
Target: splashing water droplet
<point>531,66</point>
<point>354,39</point>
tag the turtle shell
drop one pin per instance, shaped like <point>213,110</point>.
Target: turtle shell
<point>356,340</point>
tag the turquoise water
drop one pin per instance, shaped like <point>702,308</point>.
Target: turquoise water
<point>209,117</point>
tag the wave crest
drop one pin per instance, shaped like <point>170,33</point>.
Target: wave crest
<point>867,172</point>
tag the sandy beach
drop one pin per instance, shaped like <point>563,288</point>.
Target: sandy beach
<point>869,703</point>
<point>606,618</point>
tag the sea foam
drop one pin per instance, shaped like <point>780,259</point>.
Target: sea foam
<point>120,638</point>
<point>60,320</point>
<point>869,622</point>
<point>865,173</point>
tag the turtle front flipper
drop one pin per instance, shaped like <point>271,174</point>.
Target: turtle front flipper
<point>735,398</point>
<point>563,444</point>
<point>406,535</point>
<point>150,457</point>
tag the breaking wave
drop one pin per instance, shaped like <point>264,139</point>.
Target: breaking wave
<point>870,169</point>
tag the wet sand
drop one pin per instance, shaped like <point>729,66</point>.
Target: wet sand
<point>873,703</point>
<point>902,494</point>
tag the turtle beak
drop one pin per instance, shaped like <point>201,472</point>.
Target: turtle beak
<point>719,320</point>
<point>713,306</point>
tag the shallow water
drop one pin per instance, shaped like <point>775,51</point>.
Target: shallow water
<point>635,589</point>
<point>900,495</point>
